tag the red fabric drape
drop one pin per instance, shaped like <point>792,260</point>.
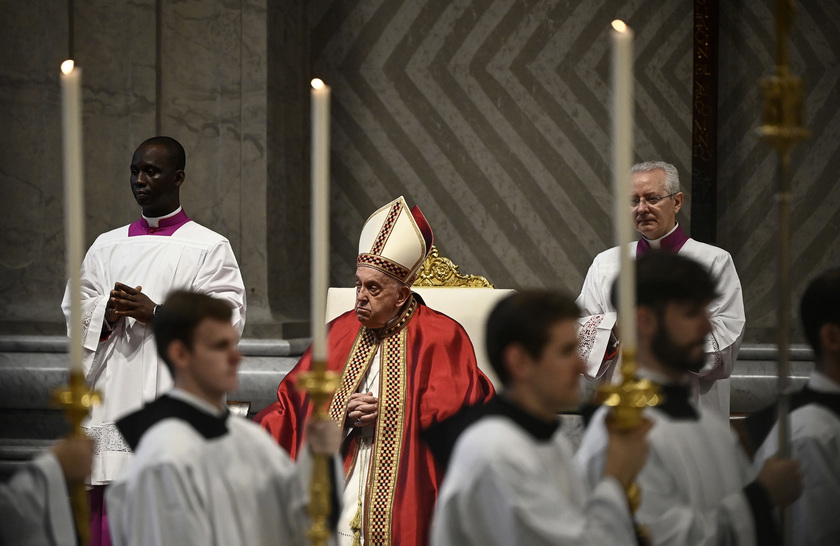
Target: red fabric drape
<point>441,377</point>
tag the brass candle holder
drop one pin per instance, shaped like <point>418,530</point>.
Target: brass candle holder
<point>76,399</point>
<point>319,385</point>
<point>783,128</point>
<point>628,401</point>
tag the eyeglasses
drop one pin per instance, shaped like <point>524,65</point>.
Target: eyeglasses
<point>653,200</point>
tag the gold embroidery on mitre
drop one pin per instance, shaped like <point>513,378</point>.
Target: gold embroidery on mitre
<point>387,227</point>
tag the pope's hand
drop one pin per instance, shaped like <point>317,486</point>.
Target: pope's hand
<point>362,409</point>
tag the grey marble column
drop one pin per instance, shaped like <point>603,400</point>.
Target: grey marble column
<point>197,70</point>
<point>288,187</point>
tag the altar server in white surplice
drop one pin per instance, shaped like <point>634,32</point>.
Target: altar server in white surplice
<point>697,485</point>
<point>34,504</point>
<point>125,274</point>
<point>200,475</point>
<point>511,479</point>
<point>656,199</point>
<point>815,419</point>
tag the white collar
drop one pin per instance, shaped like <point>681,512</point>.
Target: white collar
<point>155,222</point>
<point>657,243</point>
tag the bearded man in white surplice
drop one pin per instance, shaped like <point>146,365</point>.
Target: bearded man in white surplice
<point>697,486</point>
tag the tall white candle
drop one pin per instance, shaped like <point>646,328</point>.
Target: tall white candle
<point>622,161</point>
<point>74,205</point>
<point>320,216</point>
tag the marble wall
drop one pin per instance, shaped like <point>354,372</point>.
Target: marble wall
<point>747,212</point>
<point>192,70</point>
<point>491,116</point>
<point>33,38</point>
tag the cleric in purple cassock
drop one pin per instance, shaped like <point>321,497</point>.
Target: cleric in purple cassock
<point>124,274</point>
<point>656,199</point>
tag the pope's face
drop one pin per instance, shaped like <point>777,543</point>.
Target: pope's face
<point>654,221</point>
<point>379,297</point>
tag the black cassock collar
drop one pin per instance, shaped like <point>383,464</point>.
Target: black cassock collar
<point>134,426</point>
<point>677,402</point>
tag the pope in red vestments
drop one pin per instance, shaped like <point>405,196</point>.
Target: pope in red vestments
<point>403,368</point>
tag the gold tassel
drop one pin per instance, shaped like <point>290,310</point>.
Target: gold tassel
<point>356,525</point>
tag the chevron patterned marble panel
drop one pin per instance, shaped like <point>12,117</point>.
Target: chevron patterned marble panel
<point>748,169</point>
<point>493,117</point>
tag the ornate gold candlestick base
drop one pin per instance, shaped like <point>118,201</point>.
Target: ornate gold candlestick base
<point>76,399</point>
<point>319,385</point>
<point>628,401</point>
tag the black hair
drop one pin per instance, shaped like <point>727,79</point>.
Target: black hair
<point>176,153</point>
<point>525,318</point>
<point>820,305</point>
<point>663,277</point>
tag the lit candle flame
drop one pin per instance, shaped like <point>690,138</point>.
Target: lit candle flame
<point>317,83</point>
<point>619,25</point>
<point>67,66</point>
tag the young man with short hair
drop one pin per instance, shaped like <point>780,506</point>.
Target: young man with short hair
<point>511,479</point>
<point>200,475</point>
<point>815,419</point>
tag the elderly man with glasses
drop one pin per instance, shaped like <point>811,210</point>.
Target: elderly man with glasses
<point>655,200</point>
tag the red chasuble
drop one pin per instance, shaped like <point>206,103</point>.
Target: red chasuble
<point>427,373</point>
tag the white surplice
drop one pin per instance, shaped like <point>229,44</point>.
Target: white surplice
<point>692,483</point>
<point>35,508</point>
<point>125,367</point>
<point>505,487</point>
<point>815,443</point>
<point>184,489</point>
<point>726,313</point>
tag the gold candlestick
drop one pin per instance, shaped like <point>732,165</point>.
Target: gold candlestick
<point>76,399</point>
<point>783,129</point>
<point>319,385</point>
<point>628,401</point>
